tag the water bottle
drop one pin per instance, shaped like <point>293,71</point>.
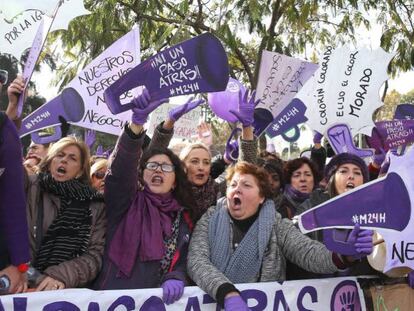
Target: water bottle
<point>32,275</point>
<point>4,285</point>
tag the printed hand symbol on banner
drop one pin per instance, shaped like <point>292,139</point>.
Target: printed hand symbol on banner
<point>143,106</point>
<point>348,301</point>
<point>177,112</point>
<point>245,113</point>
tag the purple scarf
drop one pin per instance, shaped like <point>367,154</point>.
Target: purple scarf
<point>142,230</point>
<point>296,195</point>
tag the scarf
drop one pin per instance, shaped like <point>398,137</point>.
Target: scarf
<point>243,264</point>
<point>68,235</point>
<point>205,196</point>
<point>295,194</point>
<point>143,229</point>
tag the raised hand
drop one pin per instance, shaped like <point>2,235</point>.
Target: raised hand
<point>177,112</point>
<point>245,113</point>
<point>143,106</point>
<point>90,137</point>
<point>205,134</point>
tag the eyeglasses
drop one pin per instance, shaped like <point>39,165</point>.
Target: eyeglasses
<point>152,166</point>
<point>99,175</point>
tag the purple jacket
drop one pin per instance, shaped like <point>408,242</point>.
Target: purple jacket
<point>14,237</point>
<point>121,184</point>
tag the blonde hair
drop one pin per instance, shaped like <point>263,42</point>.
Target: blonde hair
<point>187,149</point>
<point>61,144</point>
<point>98,165</point>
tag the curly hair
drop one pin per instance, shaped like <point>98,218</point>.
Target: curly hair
<point>295,164</point>
<point>181,191</point>
<point>259,173</point>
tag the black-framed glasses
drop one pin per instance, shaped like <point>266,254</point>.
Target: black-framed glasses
<point>99,175</point>
<point>165,167</point>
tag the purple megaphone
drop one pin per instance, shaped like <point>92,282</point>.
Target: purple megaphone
<point>69,105</point>
<point>382,203</point>
<point>340,138</point>
<point>47,139</point>
<point>193,66</point>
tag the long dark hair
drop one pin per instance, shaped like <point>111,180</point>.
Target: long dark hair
<point>182,188</point>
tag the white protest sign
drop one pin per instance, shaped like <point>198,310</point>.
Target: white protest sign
<point>81,101</point>
<point>18,29</point>
<point>280,78</point>
<point>323,294</point>
<point>345,89</point>
<point>185,127</point>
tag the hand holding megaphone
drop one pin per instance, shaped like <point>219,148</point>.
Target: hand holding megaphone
<point>143,106</point>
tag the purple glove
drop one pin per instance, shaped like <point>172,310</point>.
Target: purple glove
<point>245,114</point>
<point>172,290</point>
<point>362,241</point>
<point>177,112</point>
<point>99,151</point>
<point>317,138</point>
<point>379,158</point>
<point>235,303</point>
<point>411,279</point>
<point>144,106</point>
<point>90,136</point>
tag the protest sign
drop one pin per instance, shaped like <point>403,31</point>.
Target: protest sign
<point>280,79</point>
<point>391,134</point>
<point>404,111</point>
<point>193,66</point>
<point>185,127</point>
<point>82,102</point>
<point>18,28</point>
<point>345,89</point>
<point>324,294</point>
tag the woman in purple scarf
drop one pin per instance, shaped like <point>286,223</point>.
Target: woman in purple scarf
<point>148,234</point>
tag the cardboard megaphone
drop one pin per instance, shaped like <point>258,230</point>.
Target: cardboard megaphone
<point>193,66</point>
<point>69,105</point>
<point>382,203</point>
<point>37,138</point>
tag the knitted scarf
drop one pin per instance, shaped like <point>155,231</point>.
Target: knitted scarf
<point>243,264</point>
<point>205,196</point>
<point>145,231</point>
<point>296,195</point>
<point>68,235</point>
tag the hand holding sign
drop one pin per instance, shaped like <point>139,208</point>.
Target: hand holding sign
<point>143,106</point>
<point>177,112</point>
<point>362,241</point>
<point>245,112</point>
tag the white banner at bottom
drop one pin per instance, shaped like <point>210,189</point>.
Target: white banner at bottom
<point>318,294</point>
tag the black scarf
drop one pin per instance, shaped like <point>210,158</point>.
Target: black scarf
<point>68,235</point>
<point>205,196</point>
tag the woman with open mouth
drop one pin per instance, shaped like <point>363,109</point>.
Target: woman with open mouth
<point>146,196</point>
<point>66,218</point>
<point>244,240</point>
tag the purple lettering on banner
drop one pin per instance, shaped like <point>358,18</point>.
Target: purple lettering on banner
<point>257,295</point>
<point>153,303</point>
<point>61,306</point>
<point>193,304</point>
<point>291,116</point>
<point>196,65</point>
<point>20,304</point>
<point>313,295</point>
<point>280,299</point>
<point>127,301</point>
<point>391,134</point>
<point>93,306</point>
<point>69,105</point>
<point>346,297</point>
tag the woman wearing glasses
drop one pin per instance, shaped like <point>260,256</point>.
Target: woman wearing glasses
<point>148,236</point>
<point>98,171</point>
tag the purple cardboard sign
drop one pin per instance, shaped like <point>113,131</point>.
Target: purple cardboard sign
<point>222,102</point>
<point>382,203</point>
<point>69,105</point>
<point>391,134</point>
<point>404,112</point>
<point>291,115</point>
<point>193,66</point>
<point>37,139</point>
<point>340,138</point>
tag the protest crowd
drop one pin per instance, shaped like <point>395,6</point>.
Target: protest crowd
<point>145,216</point>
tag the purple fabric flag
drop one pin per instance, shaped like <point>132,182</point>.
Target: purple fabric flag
<point>193,66</point>
<point>34,53</point>
<point>340,138</point>
<point>391,134</point>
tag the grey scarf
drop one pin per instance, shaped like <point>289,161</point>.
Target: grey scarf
<point>243,264</point>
